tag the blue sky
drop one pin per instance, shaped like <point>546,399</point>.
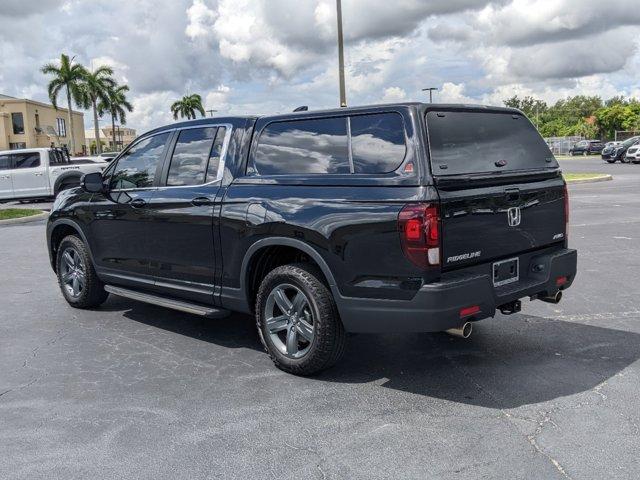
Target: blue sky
<point>264,56</point>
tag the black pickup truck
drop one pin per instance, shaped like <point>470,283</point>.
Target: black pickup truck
<point>390,218</point>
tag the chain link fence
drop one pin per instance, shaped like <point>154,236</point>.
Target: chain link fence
<point>562,145</point>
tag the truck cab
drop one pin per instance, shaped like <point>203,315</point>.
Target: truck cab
<point>40,172</point>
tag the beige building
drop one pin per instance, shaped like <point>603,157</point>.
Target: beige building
<point>30,124</point>
<point>124,137</point>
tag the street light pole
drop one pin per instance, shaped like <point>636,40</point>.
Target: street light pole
<point>430,90</point>
<point>343,94</point>
<point>211,112</point>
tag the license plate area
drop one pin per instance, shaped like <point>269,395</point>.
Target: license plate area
<point>506,271</point>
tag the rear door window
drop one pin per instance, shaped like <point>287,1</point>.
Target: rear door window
<point>136,168</point>
<point>310,146</point>
<point>26,160</point>
<point>191,156</point>
<point>484,142</point>
<point>377,143</point>
<point>216,155</point>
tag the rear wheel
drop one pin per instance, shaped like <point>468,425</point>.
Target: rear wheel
<point>297,320</point>
<point>77,278</point>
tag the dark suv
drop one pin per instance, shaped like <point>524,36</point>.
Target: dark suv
<point>394,218</point>
<point>586,147</point>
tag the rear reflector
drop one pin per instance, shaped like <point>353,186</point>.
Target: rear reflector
<point>560,281</point>
<point>466,312</point>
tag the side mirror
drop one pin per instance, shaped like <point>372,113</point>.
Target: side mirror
<point>92,182</point>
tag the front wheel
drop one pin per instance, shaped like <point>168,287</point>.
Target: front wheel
<point>77,278</point>
<point>297,320</point>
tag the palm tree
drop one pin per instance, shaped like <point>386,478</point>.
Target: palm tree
<point>67,75</point>
<point>93,89</point>
<point>187,106</point>
<point>117,106</point>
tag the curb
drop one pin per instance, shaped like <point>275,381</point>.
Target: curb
<point>603,178</point>
<point>31,218</point>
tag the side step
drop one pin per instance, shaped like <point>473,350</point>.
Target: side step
<point>180,305</point>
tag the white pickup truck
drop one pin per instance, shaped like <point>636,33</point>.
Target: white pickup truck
<point>41,172</point>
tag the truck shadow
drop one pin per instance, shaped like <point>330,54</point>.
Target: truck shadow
<point>507,362</point>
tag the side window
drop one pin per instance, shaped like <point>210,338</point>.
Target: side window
<point>312,146</point>
<point>137,167</point>
<point>5,162</point>
<point>216,153</point>
<point>377,143</point>
<point>26,160</point>
<point>190,156</point>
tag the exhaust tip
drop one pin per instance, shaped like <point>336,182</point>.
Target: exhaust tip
<point>464,331</point>
<point>553,298</point>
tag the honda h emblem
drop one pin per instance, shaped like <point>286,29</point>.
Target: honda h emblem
<point>514,216</point>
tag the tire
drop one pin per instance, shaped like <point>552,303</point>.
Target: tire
<point>317,310</point>
<point>585,154</point>
<point>572,153</point>
<point>611,161</point>
<point>77,277</point>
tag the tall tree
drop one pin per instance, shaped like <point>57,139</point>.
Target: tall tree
<point>187,107</point>
<point>68,76</point>
<point>117,106</point>
<point>94,89</point>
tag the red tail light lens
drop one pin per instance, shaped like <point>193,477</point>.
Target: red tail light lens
<point>566,205</point>
<point>419,227</point>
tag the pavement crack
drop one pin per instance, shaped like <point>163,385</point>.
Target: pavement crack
<point>538,448</point>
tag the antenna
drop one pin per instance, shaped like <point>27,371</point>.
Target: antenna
<point>303,108</point>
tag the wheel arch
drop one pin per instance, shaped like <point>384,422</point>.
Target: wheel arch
<point>66,176</point>
<point>57,231</point>
<point>257,261</point>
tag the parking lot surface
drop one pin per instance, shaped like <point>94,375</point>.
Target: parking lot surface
<point>134,391</point>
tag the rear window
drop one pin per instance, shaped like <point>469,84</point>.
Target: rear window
<point>483,142</point>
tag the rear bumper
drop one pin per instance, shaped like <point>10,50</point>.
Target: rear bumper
<point>436,306</point>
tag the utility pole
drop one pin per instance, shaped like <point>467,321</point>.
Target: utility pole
<point>430,90</point>
<point>211,112</point>
<point>343,94</point>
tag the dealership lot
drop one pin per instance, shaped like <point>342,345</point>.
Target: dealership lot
<point>135,391</point>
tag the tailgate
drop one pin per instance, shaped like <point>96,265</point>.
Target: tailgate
<point>489,223</point>
<point>498,182</point>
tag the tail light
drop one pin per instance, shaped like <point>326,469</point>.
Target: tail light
<point>419,227</point>
<point>566,204</point>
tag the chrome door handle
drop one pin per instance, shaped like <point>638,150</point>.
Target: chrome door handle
<point>38,174</point>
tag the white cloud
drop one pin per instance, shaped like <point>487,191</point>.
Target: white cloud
<point>265,56</point>
<point>394,94</point>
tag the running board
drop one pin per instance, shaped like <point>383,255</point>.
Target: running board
<point>182,306</point>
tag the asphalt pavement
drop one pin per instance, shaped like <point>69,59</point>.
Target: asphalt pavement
<point>134,391</point>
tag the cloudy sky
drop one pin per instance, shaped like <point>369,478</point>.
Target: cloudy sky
<point>264,56</point>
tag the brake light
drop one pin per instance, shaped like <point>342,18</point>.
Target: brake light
<point>566,205</point>
<point>419,227</point>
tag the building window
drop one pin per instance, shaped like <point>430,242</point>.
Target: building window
<point>17,146</point>
<point>62,127</point>
<point>18,123</point>
<point>38,129</point>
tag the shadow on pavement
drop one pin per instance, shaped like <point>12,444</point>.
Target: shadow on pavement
<point>237,331</point>
<point>507,362</point>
